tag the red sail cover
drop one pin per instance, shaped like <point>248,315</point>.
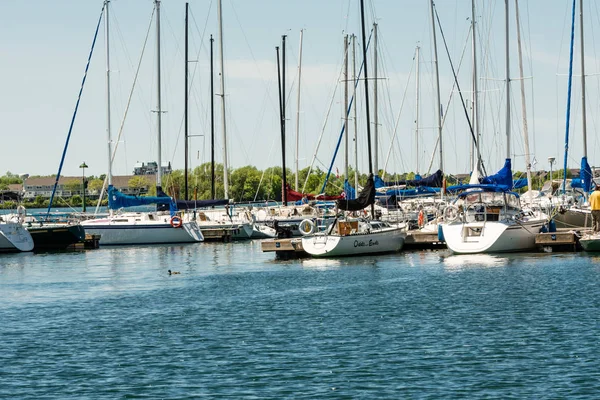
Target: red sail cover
<point>292,195</point>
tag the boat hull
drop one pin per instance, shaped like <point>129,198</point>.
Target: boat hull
<point>14,238</point>
<point>574,218</point>
<point>491,237</point>
<point>384,241</point>
<point>115,233</point>
<point>56,237</point>
<point>590,243</point>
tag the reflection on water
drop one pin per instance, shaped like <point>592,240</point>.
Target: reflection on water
<point>460,261</point>
<point>321,263</point>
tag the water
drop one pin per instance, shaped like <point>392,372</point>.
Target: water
<point>235,323</point>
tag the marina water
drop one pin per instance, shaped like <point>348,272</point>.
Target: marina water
<point>236,323</point>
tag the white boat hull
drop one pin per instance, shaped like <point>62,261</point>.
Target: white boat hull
<point>14,237</point>
<point>491,237</point>
<point>384,241</point>
<point>113,232</point>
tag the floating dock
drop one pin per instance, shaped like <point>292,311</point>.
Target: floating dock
<point>417,240</point>
<point>89,243</point>
<point>284,248</point>
<point>558,241</point>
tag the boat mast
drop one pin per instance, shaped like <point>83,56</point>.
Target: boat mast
<point>523,102</point>
<point>185,178</point>
<point>438,102</point>
<point>298,107</point>
<point>364,46</point>
<point>417,106</point>
<point>568,116</point>
<point>375,110</point>
<point>507,81</point>
<point>354,109</point>
<point>477,161</point>
<point>158,104</point>
<point>212,122</point>
<point>283,68</point>
<point>346,158</point>
<point>583,115</point>
<point>108,129</point>
<point>225,166</point>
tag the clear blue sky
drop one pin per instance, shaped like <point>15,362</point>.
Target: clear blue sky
<point>46,43</point>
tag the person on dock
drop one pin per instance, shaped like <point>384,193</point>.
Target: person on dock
<point>595,206</point>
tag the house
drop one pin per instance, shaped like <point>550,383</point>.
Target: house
<point>151,168</point>
<point>72,185</point>
<point>13,193</point>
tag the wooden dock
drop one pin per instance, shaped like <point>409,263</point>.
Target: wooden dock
<point>219,234</point>
<point>557,241</point>
<point>89,243</point>
<point>417,240</point>
<point>284,248</point>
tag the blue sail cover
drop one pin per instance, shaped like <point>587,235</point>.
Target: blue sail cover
<point>349,191</point>
<point>585,176</point>
<point>519,183</point>
<point>502,177</point>
<point>433,180</point>
<point>118,200</point>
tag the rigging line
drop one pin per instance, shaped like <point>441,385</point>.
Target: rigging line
<point>87,66</point>
<point>458,87</point>
<point>398,118</point>
<point>344,125</point>
<point>445,114</point>
<point>103,190</point>
<point>569,97</point>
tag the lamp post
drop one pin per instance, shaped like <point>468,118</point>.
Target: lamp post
<point>551,161</point>
<point>83,166</point>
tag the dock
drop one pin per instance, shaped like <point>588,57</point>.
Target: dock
<point>89,243</point>
<point>224,235</point>
<point>561,240</point>
<point>284,248</point>
<point>417,240</point>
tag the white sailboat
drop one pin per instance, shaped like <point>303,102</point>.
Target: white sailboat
<point>14,237</point>
<point>351,236</point>
<point>137,227</point>
<point>488,217</point>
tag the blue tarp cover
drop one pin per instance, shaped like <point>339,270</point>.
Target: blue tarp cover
<point>502,177</point>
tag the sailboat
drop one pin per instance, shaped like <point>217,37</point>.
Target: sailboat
<point>357,236</point>
<point>140,227</point>
<point>14,237</point>
<point>487,216</point>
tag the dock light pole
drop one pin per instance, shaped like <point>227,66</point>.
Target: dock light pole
<point>551,161</point>
<point>83,166</point>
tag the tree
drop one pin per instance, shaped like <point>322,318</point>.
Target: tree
<point>95,185</point>
<point>139,183</point>
<point>73,185</point>
<point>76,200</point>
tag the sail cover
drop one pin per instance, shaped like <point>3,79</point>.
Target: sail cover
<point>191,204</point>
<point>502,177</point>
<point>117,200</point>
<point>365,198</point>
<point>433,180</point>
<point>585,176</point>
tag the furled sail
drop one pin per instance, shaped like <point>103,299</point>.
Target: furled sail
<point>365,198</point>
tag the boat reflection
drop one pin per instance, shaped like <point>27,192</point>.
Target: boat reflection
<point>461,261</point>
<point>321,263</point>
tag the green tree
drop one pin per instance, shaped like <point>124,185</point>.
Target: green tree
<point>95,185</point>
<point>76,200</point>
<point>73,185</point>
<point>139,183</point>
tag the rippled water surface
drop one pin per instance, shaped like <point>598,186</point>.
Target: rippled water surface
<point>235,323</point>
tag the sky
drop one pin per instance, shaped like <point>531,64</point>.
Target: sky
<point>46,44</point>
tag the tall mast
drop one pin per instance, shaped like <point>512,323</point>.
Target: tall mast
<point>108,130</point>
<point>354,109</point>
<point>158,104</point>
<point>298,107</point>
<point>417,106</point>
<point>365,63</point>
<point>212,122</point>
<point>346,158</point>
<point>375,111</point>
<point>523,102</point>
<point>583,116</point>
<point>283,68</point>
<point>507,82</point>
<point>185,178</point>
<point>477,157</point>
<point>438,102</point>
<point>225,166</point>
